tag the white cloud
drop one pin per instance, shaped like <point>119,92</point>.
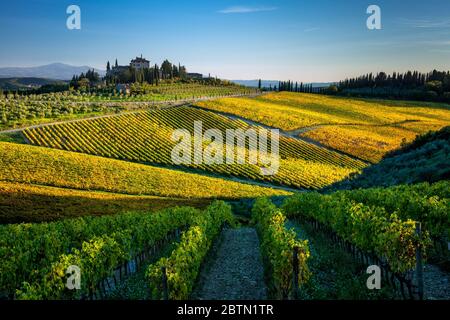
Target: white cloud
<point>426,24</point>
<point>246,9</point>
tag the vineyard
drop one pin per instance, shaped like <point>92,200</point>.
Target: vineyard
<point>34,203</point>
<point>369,143</point>
<point>17,110</point>
<point>146,137</point>
<point>428,204</point>
<point>367,129</point>
<point>181,268</point>
<point>223,159</point>
<point>278,245</point>
<point>382,221</point>
<point>97,244</point>
<point>33,165</point>
<point>423,160</point>
<point>103,194</point>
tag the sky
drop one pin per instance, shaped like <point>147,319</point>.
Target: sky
<point>299,40</point>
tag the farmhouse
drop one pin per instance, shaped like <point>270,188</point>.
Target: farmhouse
<point>139,63</point>
<point>123,88</point>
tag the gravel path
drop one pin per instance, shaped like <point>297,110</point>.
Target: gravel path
<point>436,283</point>
<point>236,272</point>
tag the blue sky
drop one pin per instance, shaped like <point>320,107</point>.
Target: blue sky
<point>320,40</point>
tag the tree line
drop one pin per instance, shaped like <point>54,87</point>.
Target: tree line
<point>298,87</point>
<point>292,86</point>
<point>432,86</point>
<point>84,80</point>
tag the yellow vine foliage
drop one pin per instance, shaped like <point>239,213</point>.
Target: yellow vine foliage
<point>146,137</point>
<point>363,128</point>
<point>36,165</point>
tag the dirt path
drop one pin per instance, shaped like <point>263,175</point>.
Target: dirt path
<point>294,134</point>
<point>236,272</point>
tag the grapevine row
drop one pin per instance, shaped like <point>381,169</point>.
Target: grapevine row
<point>423,202</point>
<point>277,246</point>
<point>182,267</point>
<point>371,229</point>
<point>146,137</point>
<point>29,251</point>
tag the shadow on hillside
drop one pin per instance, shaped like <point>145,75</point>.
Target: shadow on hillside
<point>21,207</point>
<point>425,159</point>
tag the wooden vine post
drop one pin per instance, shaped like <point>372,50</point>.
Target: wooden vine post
<point>295,272</point>
<point>164,284</point>
<point>419,266</point>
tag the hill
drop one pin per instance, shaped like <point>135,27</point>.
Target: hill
<point>146,137</point>
<point>59,71</point>
<point>26,83</point>
<point>41,166</point>
<point>21,202</point>
<point>366,129</point>
<point>426,159</point>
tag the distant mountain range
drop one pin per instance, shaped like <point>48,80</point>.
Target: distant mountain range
<point>273,83</point>
<point>57,71</point>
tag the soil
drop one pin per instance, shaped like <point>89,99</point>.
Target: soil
<point>236,271</point>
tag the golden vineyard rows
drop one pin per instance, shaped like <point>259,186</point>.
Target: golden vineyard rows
<point>367,129</point>
<point>33,165</point>
<point>146,137</point>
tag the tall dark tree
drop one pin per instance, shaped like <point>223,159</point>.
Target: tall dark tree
<point>166,69</point>
<point>175,71</point>
<point>156,74</point>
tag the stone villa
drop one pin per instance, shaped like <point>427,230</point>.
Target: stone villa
<point>140,63</point>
